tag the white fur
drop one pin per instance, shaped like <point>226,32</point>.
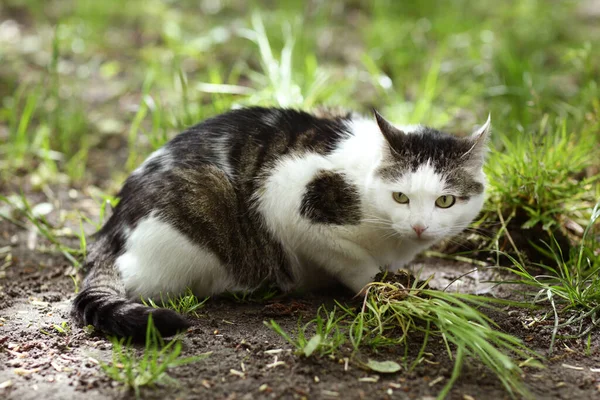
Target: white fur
<point>220,147</point>
<point>158,259</point>
<point>423,187</point>
<point>354,254</point>
<point>162,154</point>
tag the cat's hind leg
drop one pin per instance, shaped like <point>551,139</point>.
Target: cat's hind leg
<point>159,260</point>
<point>202,235</point>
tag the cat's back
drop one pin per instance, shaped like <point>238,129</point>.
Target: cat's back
<point>234,152</point>
<point>261,125</point>
<point>244,141</point>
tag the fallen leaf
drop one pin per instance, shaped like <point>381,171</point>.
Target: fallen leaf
<point>23,371</point>
<point>572,367</point>
<point>5,384</point>
<point>237,373</point>
<point>42,209</point>
<point>385,367</point>
<point>372,379</point>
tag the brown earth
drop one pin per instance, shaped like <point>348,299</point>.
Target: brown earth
<point>248,359</point>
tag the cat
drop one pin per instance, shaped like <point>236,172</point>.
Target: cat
<point>276,196</point>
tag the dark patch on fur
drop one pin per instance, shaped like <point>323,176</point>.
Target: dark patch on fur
<point>153,166</point>
<point>331,199</point>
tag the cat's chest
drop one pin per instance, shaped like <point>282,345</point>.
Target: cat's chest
<point>383,245</point>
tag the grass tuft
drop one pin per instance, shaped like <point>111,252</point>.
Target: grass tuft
<point>149,369</point>
<point>392,315</point>
<point>570,287</point>
<point>533,174</point>
<point>321,336</point>
<point>186,303</point>
<point>20,205</point>
<point>390,309</point>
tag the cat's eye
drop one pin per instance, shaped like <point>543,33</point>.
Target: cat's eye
<point>400,198</point>
<point>445,201</point>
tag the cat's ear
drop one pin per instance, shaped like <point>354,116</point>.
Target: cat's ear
<point>389,131</point>
<point>479,144</point>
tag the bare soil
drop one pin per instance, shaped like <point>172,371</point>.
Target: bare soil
<point>248,360</point>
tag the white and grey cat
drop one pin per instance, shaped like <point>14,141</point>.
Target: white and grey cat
<point>276,196</point>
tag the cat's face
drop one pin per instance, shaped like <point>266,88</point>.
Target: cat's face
<point>429,185</point>
<point>423,205</point>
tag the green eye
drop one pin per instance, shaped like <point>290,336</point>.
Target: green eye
<point>445,201</point>
<point>400,198</point>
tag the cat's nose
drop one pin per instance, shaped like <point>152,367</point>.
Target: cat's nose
<point>419,229</point>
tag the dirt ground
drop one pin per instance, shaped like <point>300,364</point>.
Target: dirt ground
<point>248,360</point>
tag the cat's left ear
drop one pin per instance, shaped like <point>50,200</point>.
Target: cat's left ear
<point>389,131</point>
<point>479,141</point>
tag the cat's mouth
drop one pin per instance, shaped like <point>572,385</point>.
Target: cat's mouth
<point>422,239</point>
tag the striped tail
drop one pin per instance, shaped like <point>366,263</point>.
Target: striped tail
<point>103,304</point>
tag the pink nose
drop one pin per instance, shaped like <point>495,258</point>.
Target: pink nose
<point>419,229</point>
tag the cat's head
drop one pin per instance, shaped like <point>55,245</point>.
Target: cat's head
<point>429,185</point>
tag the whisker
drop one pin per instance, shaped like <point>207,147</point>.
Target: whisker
<point>390,235</point>
<point>385,230</point>
<point>375,217</point>
<point>376,221</point>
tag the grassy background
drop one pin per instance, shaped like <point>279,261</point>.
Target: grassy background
<point>79,77</point>
<point>88,88</point>
<point>74,72</point>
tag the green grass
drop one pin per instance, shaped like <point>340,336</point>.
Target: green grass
<point>393,315</point>
<point>539,173</point>
<point>99,77</point>
<point>63,328</point>
<point>572,286</point>
<point>457,319</point>
<point>187,303</point>
<point>20,206</point>
<point>321,336</point>
<point>150,368</point>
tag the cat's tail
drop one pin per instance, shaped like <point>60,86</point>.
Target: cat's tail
<point>103,304</point>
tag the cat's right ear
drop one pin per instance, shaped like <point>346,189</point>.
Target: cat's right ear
<point>479,139</point>
<point>389,131</point>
